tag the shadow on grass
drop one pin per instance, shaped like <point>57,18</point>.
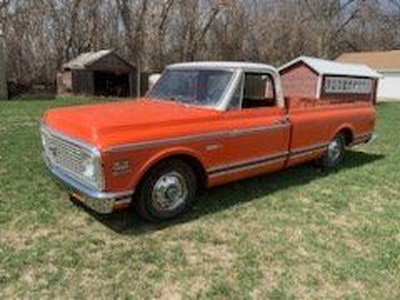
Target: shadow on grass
<point>220,198</point>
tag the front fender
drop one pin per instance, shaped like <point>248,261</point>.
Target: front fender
<point>161,156</point>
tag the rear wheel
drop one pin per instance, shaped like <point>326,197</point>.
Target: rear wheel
<point>167,191</point>
<point>334,155</point>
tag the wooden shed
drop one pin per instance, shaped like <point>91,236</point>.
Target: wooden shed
<point>102,73</point>
<point>308,77</point>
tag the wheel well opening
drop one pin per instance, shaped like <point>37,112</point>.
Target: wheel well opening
<point>194,163</point>
<point>348,135</point>
<point>197,167</point>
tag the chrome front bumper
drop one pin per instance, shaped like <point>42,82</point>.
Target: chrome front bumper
<point>100,202</point>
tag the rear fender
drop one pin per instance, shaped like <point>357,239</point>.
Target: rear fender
<point>347,127</point>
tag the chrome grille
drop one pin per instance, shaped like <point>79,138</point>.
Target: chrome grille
<point>64,154</point>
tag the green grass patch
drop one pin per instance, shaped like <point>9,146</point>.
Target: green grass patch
<point>299,233</point>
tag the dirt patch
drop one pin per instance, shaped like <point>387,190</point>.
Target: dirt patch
<point>202,255</point>
<point>21,239</point>
<point>169,291</point>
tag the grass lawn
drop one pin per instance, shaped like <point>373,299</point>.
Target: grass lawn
<point>299,233</point>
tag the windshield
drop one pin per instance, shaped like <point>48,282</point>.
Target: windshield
<point>193,87</point>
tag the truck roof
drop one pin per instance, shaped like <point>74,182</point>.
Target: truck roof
<point>223,65</point>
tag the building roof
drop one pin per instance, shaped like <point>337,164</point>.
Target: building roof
<point>380,61</point>
<point>85,60</point>
<point>222,65</point>
<point>328,67</point>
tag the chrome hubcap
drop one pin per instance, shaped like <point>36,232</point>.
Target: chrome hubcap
<point>334,150</point>
<point>170,192</point>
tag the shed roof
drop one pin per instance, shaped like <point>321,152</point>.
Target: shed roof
<point>380,61</point>
<point>328,67</point>
<point>85,60</point>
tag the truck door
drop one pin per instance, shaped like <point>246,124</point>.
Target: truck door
<point>259,130</point>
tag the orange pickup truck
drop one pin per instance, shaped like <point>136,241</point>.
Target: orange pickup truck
<point>202,125</point>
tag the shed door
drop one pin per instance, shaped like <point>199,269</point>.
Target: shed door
<point>111,84</point>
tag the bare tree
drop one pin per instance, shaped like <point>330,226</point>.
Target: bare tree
<point>43,34</point>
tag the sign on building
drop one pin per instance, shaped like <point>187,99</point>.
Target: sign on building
<point>345,85</point>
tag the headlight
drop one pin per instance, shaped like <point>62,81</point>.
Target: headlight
<point>89,169</point>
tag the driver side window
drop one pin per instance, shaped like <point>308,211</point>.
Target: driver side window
<point>259,91</point>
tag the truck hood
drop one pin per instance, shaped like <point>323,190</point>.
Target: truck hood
<point>111,124</point>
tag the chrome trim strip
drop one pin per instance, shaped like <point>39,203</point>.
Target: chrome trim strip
<point>240,132</point>
<point>259,162</point>
<point>95,199</point>
<point>245,163</point>
<point>193,138</point>
<point>299,155</point>
<point>246,168</point>
<point>308,150</point>
<point>162,142</point>
<point>265,160</point>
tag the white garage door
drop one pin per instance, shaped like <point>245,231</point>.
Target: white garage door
<point>389,86</point>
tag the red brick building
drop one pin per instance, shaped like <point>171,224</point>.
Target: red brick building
<point>307,77</point>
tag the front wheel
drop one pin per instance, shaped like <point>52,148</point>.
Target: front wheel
<point>334,155</point>
<point>167,191</point>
